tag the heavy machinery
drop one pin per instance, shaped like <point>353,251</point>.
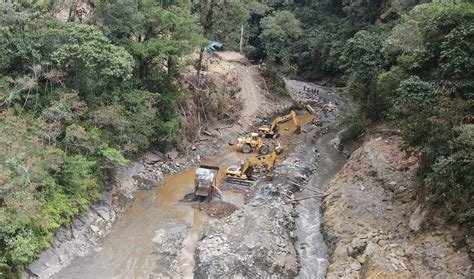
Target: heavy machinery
<point>252,142</point>
<point>205,181</point>
<point>272,131</point>
<point>242,174</point>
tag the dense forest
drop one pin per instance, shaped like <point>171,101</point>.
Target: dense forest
<point>83,91</point>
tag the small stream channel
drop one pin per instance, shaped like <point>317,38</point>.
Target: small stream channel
<point>310,245</point>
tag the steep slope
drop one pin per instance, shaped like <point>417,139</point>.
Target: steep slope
<point>374,227</point>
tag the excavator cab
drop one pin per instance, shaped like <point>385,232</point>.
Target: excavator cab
<point>254,137</point>
<point>205,181</point>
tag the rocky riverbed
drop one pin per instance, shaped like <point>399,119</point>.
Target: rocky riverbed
<point>258,240</point>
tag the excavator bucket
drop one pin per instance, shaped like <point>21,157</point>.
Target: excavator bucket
<point>205,180</point>
<point>298,129</point>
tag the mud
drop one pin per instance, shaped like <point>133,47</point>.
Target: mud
<point>216,209</point>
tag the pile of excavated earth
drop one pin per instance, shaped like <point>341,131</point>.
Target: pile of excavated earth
<point>372,224</point>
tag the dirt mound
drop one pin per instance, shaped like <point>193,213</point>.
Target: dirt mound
<point>374,227</point>
<point>251,243</point>
<point>217,209</point>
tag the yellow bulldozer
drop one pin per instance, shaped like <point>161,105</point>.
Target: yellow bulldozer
<point>205,181</point>
<point>272,131</point>
<point>242,173</point>
<point>252,143</point>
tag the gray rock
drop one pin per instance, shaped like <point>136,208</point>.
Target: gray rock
<point>94,228</point>
<point>151,158</point>
<point>77,223</point>
<point>417,218</point>
<point>361,259</point>
<point>356,266</point>
<point>253,243</point>
<point>103,212</point>
<point>125,181</point>
<point>400,253</point>
<point>167,245</point>
<point>172,154</point>
<point>370,248</point>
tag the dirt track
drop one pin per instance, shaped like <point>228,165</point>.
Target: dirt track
<point>251,94</point>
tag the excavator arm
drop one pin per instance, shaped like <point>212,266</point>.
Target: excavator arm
<point>295,121</point>
<point>270,131</point>
<point>267,160</point>
<point>242,176</point>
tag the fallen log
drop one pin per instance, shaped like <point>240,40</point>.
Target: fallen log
<point>207,133</point>
<point>307,188</point>
<point>395,132</point>
<point>306,198</point>
<point>310,109</point>
<point>225,127</point>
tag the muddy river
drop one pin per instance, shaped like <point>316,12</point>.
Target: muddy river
<point>127,252</point>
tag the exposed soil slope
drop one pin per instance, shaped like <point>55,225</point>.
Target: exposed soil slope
<point>374,227</point>
<point>252,94</point>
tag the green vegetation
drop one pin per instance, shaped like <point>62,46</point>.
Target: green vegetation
<point>75,101</point>
<point>419,77</point>
<point>82,95</point>
<point>431,99</point>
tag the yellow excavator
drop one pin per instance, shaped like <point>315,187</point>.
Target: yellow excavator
<point>205,181</point>
<point>272,131</point>
<point>242,174</point>
<point>252,142</point>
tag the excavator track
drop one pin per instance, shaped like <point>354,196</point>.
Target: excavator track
<point>240,181</point>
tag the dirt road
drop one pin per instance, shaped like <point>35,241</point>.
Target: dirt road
<point>252,93</point>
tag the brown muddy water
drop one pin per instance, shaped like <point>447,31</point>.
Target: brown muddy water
<point>127,252</point>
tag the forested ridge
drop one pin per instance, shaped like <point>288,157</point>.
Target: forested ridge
<point>85,86</point>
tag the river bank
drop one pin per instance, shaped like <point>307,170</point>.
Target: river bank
<point>375,227</point>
